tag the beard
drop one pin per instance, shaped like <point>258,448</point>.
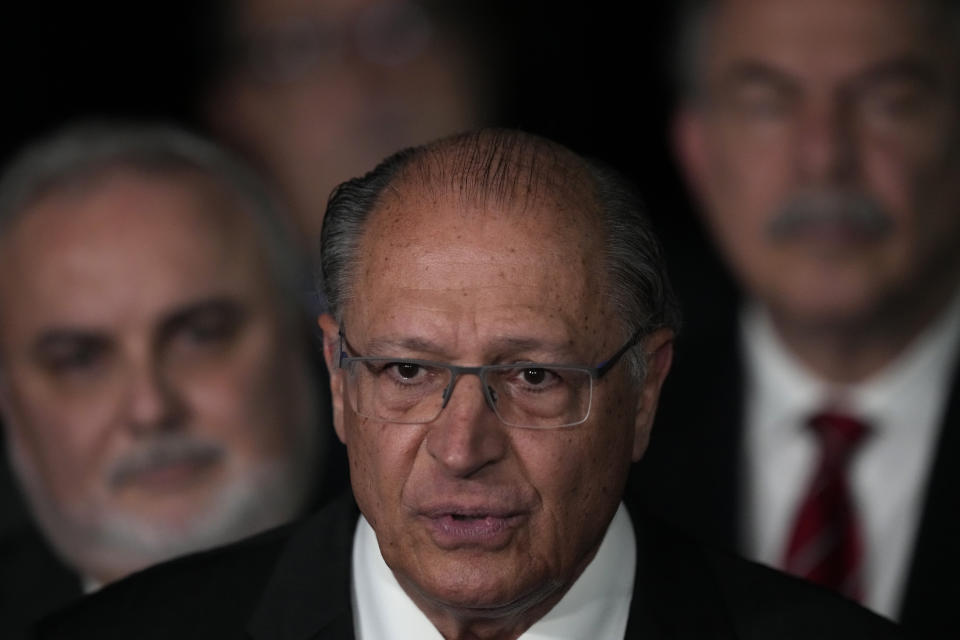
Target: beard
<point>104,541</point>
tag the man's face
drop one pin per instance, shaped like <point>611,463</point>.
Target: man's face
<point>825,149</point>
<point>153,400</point>
<point>472,515</point>
<point>331,87</point>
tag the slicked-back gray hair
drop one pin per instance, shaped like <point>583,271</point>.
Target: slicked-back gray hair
<point>498,166</point>
<point>84,153</point>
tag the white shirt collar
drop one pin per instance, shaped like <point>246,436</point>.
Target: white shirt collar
<point>596,606</point>
<point>790,392</point>
<point>904,404</point>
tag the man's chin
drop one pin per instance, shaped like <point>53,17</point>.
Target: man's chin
<point>119,537</point>
<point>825,301</point>
<point>475,585</point>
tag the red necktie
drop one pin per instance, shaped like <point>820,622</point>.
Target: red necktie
<point>826,546</point>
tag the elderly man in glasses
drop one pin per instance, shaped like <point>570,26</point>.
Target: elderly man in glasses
<point>500,326</point>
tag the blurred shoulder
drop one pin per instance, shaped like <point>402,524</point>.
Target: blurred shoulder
<point>765,603</point>
<point>200,595</point>
<point>211,594</point>
<point>734,597</point>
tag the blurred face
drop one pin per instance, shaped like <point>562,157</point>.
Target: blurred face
<point>471,514</point>
<point>825,151</point>
<point>329,88</point>
<point>153,399</point>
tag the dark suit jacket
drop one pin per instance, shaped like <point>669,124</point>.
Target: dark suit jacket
<point>33,582</point>
<point>692,475</point>
<point>294,584</point>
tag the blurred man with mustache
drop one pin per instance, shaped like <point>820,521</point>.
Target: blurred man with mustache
<point>821,139</point>
<point>156,383</point>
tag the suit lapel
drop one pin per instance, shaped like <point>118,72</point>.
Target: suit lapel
<point>929,604</point>
<point>308,595</point>
<point>675,595</point>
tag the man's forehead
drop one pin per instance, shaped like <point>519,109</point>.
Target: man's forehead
<point>552,198</point>
<point>802,32</point>
<point>434,263</point>
<point>123,236</point>
<point>257,12</point>
<point>416,220</point>
<point>121,201</point>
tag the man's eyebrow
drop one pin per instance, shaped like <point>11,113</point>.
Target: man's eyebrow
<point>501,345</point>
<point>544,347</point>
<point>754,71</point>
<point>55,337</point>
<point>910,68</point>
<point>220,304</point>
<point>386,344</point>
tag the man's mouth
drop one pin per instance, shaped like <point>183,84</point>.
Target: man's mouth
<point>455,528</point>
<point>165,471</point>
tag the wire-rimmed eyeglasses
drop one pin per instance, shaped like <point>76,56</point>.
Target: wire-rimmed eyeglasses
<point>526,394</point>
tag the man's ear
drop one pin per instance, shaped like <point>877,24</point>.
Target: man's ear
<point>688,134</point>
<point>658,348</point>
<point>331,354</point>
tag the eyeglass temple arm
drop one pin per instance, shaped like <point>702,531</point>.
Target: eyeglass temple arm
<point>604,367</point>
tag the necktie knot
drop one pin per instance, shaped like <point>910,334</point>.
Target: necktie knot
<point>839,434</point>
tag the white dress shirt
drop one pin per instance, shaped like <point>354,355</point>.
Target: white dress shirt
<point>596,606</point>
<point>903,404</point>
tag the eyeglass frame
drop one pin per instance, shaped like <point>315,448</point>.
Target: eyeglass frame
<point>456,371</point>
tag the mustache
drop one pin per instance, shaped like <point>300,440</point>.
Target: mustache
<point>160,452</point>
<point>849,210</point>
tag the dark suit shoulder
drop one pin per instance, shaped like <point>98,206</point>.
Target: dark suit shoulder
<point>765,603</point>
<point>33,582</point>
<point>224,592</point>
<point>208,594</point>
<point>685,589</point>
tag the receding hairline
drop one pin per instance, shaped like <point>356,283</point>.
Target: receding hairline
<point>214,206</point>
<point>199,183</point>
<point>80,157</point>
<point>499,171</point>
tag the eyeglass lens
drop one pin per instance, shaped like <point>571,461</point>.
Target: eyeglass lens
<point>522,395</point>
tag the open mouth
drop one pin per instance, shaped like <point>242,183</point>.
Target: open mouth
<point>454,529</point>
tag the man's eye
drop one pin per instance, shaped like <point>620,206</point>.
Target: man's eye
<point>406,370</point>
<point>211,327</point>
<point>410,373</point>
<point>535,378</point>
<point>893,103</point>
<point>76,358</point>
<point>760,103</point>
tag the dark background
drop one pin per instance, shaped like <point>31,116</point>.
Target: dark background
<point>592,75</point>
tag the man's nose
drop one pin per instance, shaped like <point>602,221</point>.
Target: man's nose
<point>826,145</point>
<point>467,436</point>
<point>152,401</point>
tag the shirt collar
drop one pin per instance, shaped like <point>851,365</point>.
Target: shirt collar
<point>597,605</point>
<point>790,392</point>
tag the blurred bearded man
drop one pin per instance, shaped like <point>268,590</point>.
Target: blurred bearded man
<point>155,379</point>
